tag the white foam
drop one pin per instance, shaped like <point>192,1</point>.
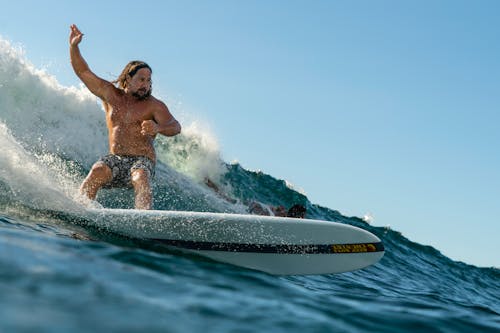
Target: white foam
<point>295,188</point>
<point>194,153</point>
<point>29,181</point>
<point>49,127</point>
<point>368,218</point>
<point>43,115</point>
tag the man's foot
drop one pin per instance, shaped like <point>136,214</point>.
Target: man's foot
<point>86,202</point>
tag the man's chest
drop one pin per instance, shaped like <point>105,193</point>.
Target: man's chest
<point>128,115</point>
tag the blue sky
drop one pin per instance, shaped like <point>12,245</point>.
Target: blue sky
<point>382,107</point>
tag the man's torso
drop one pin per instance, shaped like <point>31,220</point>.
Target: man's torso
<point>124,119</point>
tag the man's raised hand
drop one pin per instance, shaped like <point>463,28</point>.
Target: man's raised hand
<point>75,37</point>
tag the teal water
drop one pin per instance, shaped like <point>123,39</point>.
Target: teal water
<point>56,276</point>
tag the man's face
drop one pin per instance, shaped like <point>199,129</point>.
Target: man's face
<point>140,84</point>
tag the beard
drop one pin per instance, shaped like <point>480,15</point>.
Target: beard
<point>142,94</point>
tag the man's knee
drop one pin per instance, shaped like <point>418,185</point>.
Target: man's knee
<point>101,171</point>
<point>140,177</point>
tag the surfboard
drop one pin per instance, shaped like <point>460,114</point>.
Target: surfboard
<point>275,245</point>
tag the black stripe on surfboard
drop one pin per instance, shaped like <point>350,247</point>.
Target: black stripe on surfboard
<point>275,248</point>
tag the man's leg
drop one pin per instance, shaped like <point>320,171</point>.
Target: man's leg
<point>142,188</point>
<point>99,175</point>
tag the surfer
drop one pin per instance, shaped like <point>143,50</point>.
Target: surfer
<point>133,117</point>
<point>217,190</point>
<point>296,211</point>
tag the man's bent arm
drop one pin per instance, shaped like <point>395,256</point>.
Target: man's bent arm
<point>163,123</point>
<point>151,127</point>
<point>167,124</point>
<point>171,128</point>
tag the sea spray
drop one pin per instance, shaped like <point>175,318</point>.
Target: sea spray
<point>27,181</point>
<point>195,153</point>
<point>44,116</point>
<point>62,130</point>
<point>52,280</point>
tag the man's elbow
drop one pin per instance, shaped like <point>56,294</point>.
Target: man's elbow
<point>174,129</point>
<point>177,128</point>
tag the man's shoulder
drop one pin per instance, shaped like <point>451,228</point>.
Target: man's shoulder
<point>116,98</point>
<point>115,93</point>
<point>155,102</point>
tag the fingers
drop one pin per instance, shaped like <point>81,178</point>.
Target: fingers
<point>149,127</point>
<point>75,30</point>
<point>75,36</point>
<point>145,129</point>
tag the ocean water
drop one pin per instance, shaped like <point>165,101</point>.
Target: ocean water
<point>57,276</point>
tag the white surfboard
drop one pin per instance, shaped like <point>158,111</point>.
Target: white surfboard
<point>276,245</point>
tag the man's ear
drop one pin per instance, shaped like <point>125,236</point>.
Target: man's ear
<point>127,80</point>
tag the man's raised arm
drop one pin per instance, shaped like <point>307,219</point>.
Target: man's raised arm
<point>99,87</point>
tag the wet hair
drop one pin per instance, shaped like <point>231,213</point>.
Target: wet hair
<point>297,210</point>
<point>131,69</point>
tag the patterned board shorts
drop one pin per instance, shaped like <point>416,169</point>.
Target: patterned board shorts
<point>122,167</point>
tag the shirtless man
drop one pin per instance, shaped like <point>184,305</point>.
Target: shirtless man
<point>133,118</point>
